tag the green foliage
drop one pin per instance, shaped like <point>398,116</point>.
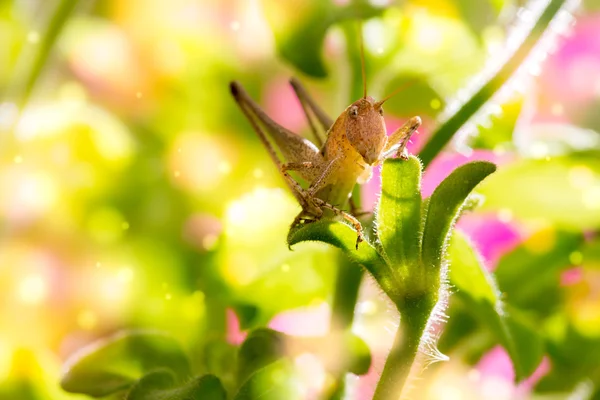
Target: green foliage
<point>445,205</point>
<point>273,382</point>
<point>408,258</point>
<point>417,97</point>
<point>498,134</point>
<point>300,31</point>
<point>476,287</point>
<point>261,347</point>
<point>541,259</point>
<point>159,385</point>
<point>543,188</point>
<point>115,363</point>
<point>407,255</point>
<point>400,214</point>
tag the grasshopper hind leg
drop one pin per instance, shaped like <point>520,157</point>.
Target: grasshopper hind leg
<point>306,217</point>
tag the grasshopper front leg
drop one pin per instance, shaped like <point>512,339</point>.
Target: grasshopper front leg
<point>399,139</point>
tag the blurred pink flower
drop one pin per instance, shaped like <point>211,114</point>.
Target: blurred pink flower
<point>283,106</point>
<point>234,333</point>
<point>571,276</point>
<point>445,163</point>
<point>497,364</point>
<point>309,321</point>
<point>570,80</point>
<point>492,238</point>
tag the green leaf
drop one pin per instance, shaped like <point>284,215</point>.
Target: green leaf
<point>358,352</point>
<point>445,205</point>
<point>476,287</point>
<point>114,363</point>
<point>343,237</point>
<point>246,313</point>
<point>543,189</point>
<point>418,97</point>
<point>574,356</point>
<point>529,275</point>
<point>159,385</point>
<point>273,382</point>
<point>399,211</point>
<point>262,347</point>
<point>499,133</point>
<point>300,29</point>
<point>477,15</point>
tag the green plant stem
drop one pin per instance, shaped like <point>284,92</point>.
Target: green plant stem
<point>348,280</point>
<point>37,60</point>
<point>442,136</point>
<point>400,360</point>
<point>349,277</point>
<point>30,65</point>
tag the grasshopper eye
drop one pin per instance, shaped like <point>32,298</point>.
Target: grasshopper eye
<point>381,111</point>
<point>354,111</point>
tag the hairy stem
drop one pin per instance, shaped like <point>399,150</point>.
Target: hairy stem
<point>400,360</point>
<point>444,133</point>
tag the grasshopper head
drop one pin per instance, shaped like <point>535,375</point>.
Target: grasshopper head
<point>365,128</point>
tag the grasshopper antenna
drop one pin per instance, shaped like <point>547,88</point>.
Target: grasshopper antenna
<point>363,69</point>
<point>395,92</point>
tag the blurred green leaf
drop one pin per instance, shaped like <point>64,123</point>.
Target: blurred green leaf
<point>114,363</point>
<point>544,189</point>
<point>529,276</point>
<point>444,207</point>
<point>460,326</point>
<point>477,289</point>
<point>416,96</point>
<point>499,132</point>
<point>478,15</point>
<point>300,28</point>
<point>262,347</point>
<point>574,357</point>
<point>159,385</point>
<point>592,5</point>
<point>273,382</point>
<point>246,313</point>
<point>359,354</point>
<point>399,212</point>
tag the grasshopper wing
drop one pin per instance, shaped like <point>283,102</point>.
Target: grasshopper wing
<point>293,147</point>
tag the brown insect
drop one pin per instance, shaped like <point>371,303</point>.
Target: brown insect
<point>355,143</point>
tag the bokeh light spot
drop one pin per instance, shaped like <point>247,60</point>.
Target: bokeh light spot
<point>581,176</point>
<point>258,173</point>
<point>33,289</point>
<point>591,197</point>
<point>557,109</point>
<point>576,258</point>
<point>33,37</point>
<point>312,372</point>
<point>125,275</point>
<point>505,215</point>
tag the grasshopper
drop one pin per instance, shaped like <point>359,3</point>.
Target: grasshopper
<point>355,143</point>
